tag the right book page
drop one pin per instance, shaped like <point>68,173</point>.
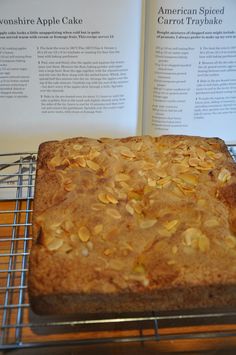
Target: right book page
<point>190,68</point>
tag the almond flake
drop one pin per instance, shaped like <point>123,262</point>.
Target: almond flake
<point>203,243</point>
<point>200,153</point>
<point>81,161</point>
<point>151,182</point>
<point>224,175</point>
<point>97,207</point>
<point>126,152</point>
<point>148,223</point>
<point>212,155</point>
<point>138,208</point>
<point>137,146</point>
<point>174,249</point>
<point>90,245</point>
<point>139,269</point>
<point>206,165</point>
<point>54,162</point>
<point>190,179</point>
<point>74,238</point>
<point>164,181</point>
<point>170,224</point>
<point>85,252</point>
<point>77,146</point>
<point>111,198</point>
<point>132,195</point>
<point>84,234</point>
<point>98,228</point>
<point>124,185</point>
<point>211,223</point>
<point>102,196</point>
<point>92,165</point>
<point>230,241</point>
<point>161,173</point>
<point>93,154</point>
<point>193,162</point>
<point>113,213</point>
<point>129,209</point>
<point>122,177</point>
<point>107,252</point>
<point>69,187</point>
<point>171,262</point>
<point>55,244</point>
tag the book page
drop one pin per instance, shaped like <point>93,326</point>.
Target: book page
<point>190,69</point>
<point>68,68</point>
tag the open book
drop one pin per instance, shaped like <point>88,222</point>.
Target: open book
<point>116,68</point>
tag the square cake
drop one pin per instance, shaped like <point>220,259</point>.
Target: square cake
<point>133,224</point>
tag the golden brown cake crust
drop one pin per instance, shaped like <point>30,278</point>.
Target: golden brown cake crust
<point>133,224</point>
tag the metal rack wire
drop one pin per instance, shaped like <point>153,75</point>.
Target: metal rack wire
<point>20,328</point>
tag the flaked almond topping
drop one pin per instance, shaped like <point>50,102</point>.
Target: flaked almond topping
<point>212,155</point>
<point>174,249</point>
<point>92,165</point>
<point>93,154</point>
<point>98,229</point>
<point>69,186</point>
<point>85,251</point>
<point>55,225</point>
<point>113,213</point>
<point>193,162</point>
<point>102,196</point>
<point>74,238</point>
<point>55,244</point>
<point>201,202</point>
<point>54,162</point>
<point>151,182</point>
<point>145,282</point>
<point>126,152</point>
<point>107,252</point>
<point>90,245</point>
<point>97,206</point>
<point>200,153</point>
<point>124,185</point>
<point>205,165</point>
<point>171,262</point>
<point>147,223</point>
<point>147,189</point>
<point>111,198</point>
<point>213,222</point>
<point>137,146</point>
<point>224,175</point>
<point>81,161</point>
<point>194,237</point>
<point>230,241</point>
<point>138,208</point>
<point>65,248</point>
<point>133,195</point>
<point>203,243</point>
<point>190,179</point>
<point>164,181</point>
<point>77,146</point>
<point>161,173</point>
<point>139,269</point>
<point>129,209</point>
<point>84,234</point>
<point>122,177</point>
<point>68,225</point>
<point>190,235</point>
<point>170,224</point>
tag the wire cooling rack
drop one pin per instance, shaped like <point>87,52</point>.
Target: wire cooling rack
<point>20,328</point>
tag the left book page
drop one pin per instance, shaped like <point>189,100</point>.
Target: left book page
<point>68,68</point>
